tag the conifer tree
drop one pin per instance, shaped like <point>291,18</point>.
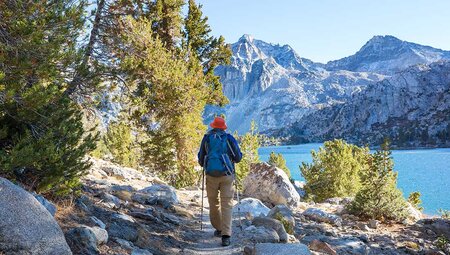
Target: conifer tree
<point>42,140</point>
<point>279,161</point>
<point>121,143</point>
<point>335,170</point>
<point>414,200</point>
<point>210,51</point>
<point>379,198</point>
<point>169,92</point>
<point>168,21</point>
<point>168,84</point>
<point>158,154</point>
<point>249,144</point>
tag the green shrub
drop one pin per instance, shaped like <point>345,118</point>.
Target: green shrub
<point>445,214</point>
<point>159,155</point>
<point>101,150</point>
<point>287,226</point>
<point>249,144</point>
<point>379,198</point>
<point>278,161</point>
<point>335,170</point>
<point>119,140</point>
<point>42,140</point>
<point>48,154</point>
<point>442,243</point>
<point>414,200</point>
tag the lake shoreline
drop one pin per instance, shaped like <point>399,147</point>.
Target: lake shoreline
<point>370,147</point>
<point>420,169</point>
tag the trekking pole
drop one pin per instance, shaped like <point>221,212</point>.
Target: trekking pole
<point>239,204</point>
<point>203,189</point>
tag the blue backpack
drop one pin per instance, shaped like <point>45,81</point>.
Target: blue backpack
<point>217,160</point>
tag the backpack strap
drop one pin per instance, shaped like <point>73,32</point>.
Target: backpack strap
<point>229,147</point>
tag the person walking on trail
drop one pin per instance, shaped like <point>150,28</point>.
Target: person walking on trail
<point>217,155</point>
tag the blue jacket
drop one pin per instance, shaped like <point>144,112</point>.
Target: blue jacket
<point>234,152</point>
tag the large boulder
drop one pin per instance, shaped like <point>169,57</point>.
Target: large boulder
<point>438,225</point>
<point>106,174</point>
<point>51,208</point>
<point>26,226</point>
<point>270,184</point>
<point>260,235</point>
<point>414,214</point>
<point>101,167</point>
<point>251,206</point>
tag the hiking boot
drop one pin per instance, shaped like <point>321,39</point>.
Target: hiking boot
<point>217,233</point>
<point>226,240</point>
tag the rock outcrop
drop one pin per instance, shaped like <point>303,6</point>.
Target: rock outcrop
<point>270,249</point>
<point>251,206</point>
<point>26,226</point>
<point>283,214</point>
<point>410,108</point>
<point>273,86</point>
<point>270,223</point>
<point>85,240</point>
<point>322,216</point>
<point>440,227</point>
<point>146,227</point>
<point>270,184</point>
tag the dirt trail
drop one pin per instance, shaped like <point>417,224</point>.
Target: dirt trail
<point>209,244</point>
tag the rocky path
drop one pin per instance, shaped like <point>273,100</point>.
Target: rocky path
<point>123,212</point>
<point>208,244</point>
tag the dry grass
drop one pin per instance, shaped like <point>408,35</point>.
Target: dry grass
<point>65,209</point>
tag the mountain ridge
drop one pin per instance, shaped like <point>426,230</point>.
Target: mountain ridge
<point>276,87</point>
<point>411,108</point>
<point>388,55</point>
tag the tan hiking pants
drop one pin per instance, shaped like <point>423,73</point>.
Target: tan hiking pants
<point>220,212</point>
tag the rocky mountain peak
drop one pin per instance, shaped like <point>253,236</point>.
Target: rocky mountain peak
<point>380,41</point>
<point>246,38</point>
<point>388,55</point>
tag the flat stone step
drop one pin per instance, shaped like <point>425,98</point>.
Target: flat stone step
<point>281,249</point>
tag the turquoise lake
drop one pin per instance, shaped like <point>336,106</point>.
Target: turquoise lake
<point>423,170</point>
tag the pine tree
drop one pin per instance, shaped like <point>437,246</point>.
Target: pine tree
<point>210,51</point>
<point>121,143</point>
<point>279,161</point>
<point>414,200</point>
<point>42,140</point>
<point>249,144</point>
<point>379,197</point>
<point>158,155</point>
<point>335,170</point>
<point>167,21</point>
<point>169,93</point>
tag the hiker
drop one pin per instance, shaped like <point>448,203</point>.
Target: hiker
<point>217,155</point>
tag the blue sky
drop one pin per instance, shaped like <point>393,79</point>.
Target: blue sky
<point>324,30</point>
